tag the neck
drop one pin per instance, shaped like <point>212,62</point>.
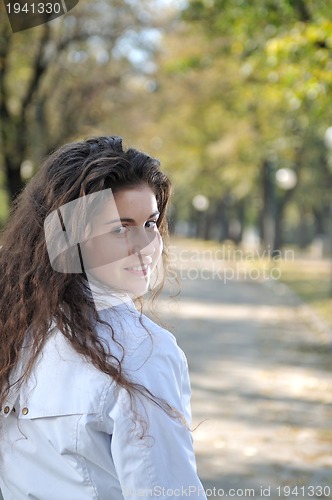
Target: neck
<point>105,296</point>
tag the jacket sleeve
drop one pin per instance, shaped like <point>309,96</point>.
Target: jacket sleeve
<point>153,451</point>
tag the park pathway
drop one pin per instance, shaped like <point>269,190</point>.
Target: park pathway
<point>261,377</point>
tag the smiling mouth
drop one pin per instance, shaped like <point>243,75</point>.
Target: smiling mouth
<point>144,267</point>
<point>140,271</point>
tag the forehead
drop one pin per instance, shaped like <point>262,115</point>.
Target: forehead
<point>138,200</point>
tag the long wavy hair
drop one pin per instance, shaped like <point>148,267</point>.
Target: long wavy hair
<point>27,276</point>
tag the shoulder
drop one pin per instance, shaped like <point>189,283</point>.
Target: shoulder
<point>157,361</point>
<point>157,343</point>
<point>164,346</point>
<point>137,340</point>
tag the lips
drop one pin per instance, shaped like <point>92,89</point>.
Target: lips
<point>140,271</point>
<point>138,268</point>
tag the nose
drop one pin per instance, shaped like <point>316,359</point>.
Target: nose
<point>141,241</point>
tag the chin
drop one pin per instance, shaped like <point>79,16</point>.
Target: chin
<point>137,291</point>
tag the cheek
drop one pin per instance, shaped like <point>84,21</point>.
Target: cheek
<point>108,250</point>
<point>102,250</point>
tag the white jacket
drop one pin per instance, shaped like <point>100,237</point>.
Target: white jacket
<point>69,433</point>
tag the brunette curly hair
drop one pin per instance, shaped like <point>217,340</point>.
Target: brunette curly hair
<point>27,276</point>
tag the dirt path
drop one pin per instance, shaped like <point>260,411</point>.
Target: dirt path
<point>262,379</point>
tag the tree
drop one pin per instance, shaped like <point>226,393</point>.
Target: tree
<point>64,76</point>
<point>248,84</point>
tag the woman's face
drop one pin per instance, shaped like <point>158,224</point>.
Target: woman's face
<point>125,245</point>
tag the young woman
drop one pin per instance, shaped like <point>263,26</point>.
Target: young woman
<point>94,396</point>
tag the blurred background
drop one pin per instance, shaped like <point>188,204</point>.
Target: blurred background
<point>234,98</point>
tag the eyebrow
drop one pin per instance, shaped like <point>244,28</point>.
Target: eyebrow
<point>130,220</point>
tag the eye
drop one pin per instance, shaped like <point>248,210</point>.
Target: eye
<point>121,230</point>
<point>151,224</point>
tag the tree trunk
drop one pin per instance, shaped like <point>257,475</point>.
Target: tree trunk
<point>13,178</point>
<point>302,10</point>
<point>269,206</point>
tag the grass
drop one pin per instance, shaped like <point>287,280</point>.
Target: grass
<point>311,279</point>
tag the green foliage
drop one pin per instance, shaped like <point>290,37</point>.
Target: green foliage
<point>62,80</point>
<point>234,84</point>
<point>242,82</point>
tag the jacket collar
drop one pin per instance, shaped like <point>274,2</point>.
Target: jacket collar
<point>105,297</point>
